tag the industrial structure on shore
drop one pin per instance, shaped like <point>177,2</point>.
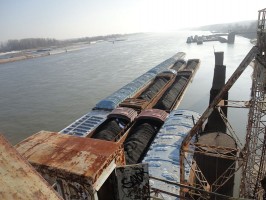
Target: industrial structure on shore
<point>221,37</point>
<point>136,144</point>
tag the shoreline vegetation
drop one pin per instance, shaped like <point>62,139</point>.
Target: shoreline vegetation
<point>16,50</point>
<point>14,56</point>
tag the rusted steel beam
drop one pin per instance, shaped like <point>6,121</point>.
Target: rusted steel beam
<point>18,179</point>
<point>245,62</point>
<point>252,53</point>
<point>83,160</point>
<point>190,188</point>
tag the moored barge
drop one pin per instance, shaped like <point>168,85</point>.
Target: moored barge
<point>83,160</point>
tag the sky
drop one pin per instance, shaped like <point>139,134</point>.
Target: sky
<point>64,19</point>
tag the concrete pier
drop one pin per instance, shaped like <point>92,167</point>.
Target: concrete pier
<point>231,38</point>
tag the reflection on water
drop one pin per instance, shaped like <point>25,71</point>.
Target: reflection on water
<point>49,93</point>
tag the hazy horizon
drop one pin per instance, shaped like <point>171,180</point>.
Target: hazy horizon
<point>66,19</point>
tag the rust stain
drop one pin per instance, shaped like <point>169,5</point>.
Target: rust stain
<point>153,114</point>
<point>70,156</point>
<point>134,103</point>
<point>129,113</point>
<point>19,180</point>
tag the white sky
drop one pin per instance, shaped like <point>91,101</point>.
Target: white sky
<point>63,19</point>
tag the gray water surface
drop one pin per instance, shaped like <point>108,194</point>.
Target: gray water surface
<point>48,93</point>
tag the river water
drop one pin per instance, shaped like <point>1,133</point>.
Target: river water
<point>48,93</point>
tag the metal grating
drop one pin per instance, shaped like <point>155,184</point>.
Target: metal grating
<point>82,126</point>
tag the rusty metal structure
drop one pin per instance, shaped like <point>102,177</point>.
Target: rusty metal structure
<point>188,145</point>
<point>79,168</point>
<point>254,166</point>
<point>153,114</point>
<point>249,157</point>
<point>19,180</point>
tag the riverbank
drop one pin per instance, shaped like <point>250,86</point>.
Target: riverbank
<point>20,56</point>
<point>36,53</point>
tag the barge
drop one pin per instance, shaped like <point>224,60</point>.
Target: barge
<point>93,157</point>
<point>99,113</point>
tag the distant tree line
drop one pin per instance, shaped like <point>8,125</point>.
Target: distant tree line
<point>29,43</point>
<point>91,39</point>
<point>34,43</point>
